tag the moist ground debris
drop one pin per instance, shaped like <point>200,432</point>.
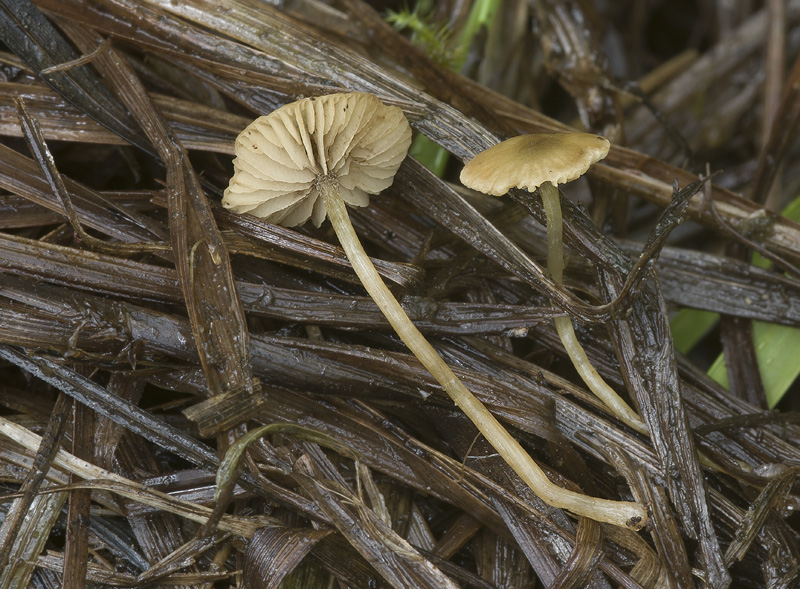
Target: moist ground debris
<point>194,397</point>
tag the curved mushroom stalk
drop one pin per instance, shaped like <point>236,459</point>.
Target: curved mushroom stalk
<point>311,158</point>
<point>555,264</point>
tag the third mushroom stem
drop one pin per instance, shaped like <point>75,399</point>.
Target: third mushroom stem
<point>621,513</point>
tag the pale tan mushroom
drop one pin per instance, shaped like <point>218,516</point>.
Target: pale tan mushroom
<point>309,158</point>
<point>543,162</point>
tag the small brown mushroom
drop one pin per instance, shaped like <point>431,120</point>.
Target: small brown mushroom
<point>543,162</point>
<point>309,158</point>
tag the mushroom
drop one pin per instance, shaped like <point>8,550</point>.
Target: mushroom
<point>543,162</point>
<point>309,158</point>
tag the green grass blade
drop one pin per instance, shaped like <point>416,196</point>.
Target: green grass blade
<point>777,346</point>
<point>435,42</point>
<point>689,326</point>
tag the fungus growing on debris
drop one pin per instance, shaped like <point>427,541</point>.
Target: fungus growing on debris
<point>544,162</point>
<point>309,158</point>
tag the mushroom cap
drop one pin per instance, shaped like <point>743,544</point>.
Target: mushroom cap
<point>528,161</point>
<point>353,138</point>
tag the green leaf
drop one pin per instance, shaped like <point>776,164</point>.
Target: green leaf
<point>777,346</point>
<point>430,154</point>
<point>777,350</point>
<point>481,15</point>
<point>689,326</point>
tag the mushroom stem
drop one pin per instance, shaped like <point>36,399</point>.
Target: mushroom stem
<point>576,353</point>
<point>620,513</point>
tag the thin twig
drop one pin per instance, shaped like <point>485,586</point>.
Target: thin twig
<point>83,60</point>
<point>726,228</point>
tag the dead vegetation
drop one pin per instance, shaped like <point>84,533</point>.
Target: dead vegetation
<point>196,398</point>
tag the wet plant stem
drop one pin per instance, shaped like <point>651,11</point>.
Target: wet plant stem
<point>620,513</point>
<point>104,479</point>
<point>576,353</point>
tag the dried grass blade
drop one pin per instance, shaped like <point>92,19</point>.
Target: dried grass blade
<point>31,36</point>
<point>397,561</point>
<point>157,533</point>
<point>128,335</point>
<point>274,553</point>
<point>388,449</point>
<point>117,540</point>
<point>95,272</point>
<point>180,557</point>
<point>647,361</point>
<point>36,143</point>
<point>726,285</point>
<point>258,238</point>
<point>267,29</point>
<point>99,273</point>
<point>439,81</point>
<point>202,47</point>
<point>113,407</point>
<point>197,126</point>
<point>102,576</point>
<point>20,533</point>
<point>765,504</point>
<point>97,477</point>
<point>31,538</point>
<point>224,411</point>
<point>20,175</point>
<point>676,570</point>
<point>215,310</point>
<point>76,548</point>
<point>782,131</point>
<point>652,180</point>
<point>538,547</point>
<point>585,558</point>
<point>95,573</point>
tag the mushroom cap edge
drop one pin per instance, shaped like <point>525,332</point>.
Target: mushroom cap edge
<point>528,161</point>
